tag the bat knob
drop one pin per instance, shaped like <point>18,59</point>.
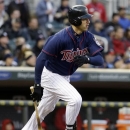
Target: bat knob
<point>32,89</point>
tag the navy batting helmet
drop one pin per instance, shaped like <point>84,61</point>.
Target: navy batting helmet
<point>76,13</point>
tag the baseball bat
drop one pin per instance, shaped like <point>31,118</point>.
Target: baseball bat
<point>36,110</point>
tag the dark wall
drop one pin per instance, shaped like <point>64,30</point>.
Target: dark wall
<point>88,93</point>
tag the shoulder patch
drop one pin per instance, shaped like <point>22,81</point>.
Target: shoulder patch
<point>96,41</point>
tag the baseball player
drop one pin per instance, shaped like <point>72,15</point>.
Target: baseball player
<point>62,54</point>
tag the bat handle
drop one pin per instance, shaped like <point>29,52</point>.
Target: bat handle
<point>35,105</point>
<point>32,89</point>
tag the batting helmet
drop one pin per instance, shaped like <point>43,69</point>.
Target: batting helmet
<point>76,13</point>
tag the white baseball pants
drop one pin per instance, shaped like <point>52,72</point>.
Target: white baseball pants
<point>56,87</point>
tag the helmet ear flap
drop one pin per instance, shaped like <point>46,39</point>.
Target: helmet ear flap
<point>75,22</point>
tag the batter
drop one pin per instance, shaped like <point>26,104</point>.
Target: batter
<point>62,54</point>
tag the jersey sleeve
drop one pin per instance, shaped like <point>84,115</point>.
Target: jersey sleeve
<point>52,46</point>
<point>94,46</point>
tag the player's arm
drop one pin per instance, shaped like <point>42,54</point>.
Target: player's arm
<point>94,49</point>
<point>40,63</point>
<point>96,60</point>
<point>49,52</point>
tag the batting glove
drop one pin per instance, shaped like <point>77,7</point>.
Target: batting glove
<point>80,60</point>
<point>37,94</point>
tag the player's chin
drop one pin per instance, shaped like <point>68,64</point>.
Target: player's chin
<point>85,28</point>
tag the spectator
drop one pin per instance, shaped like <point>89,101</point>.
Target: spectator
<point>18,45</point>
<point>44,126</point>
<point>23,7</point>
<point>5,52</point>
<point>109,59</point>
<point>4,40</point>
<point>96,17</point>
<point>60,120</point>
<point>119,45</point>
<point>7,124</point>
<point>114,22</point>
<point>29,59</point>
<point>123,21</point>
<point>20,41</point>
<point>21,47</point>
<point>127,56</point>
<point>119,63</point>
<point>45,12</point>
<point>97,29</point>
<point>127,33</point>
<point>16,30</point>
<point>79,2</point>
<point>110,34</point>
<point>95,5</point>
<point>26,47</point>
<point>127,36</point>
<point>3,15</point>
<point>8,60</point>
<point>33,30</point>
<point>4,43</point>
<point>111,125</point>
<point>128,9</point>
<point>62,11</point>
<point>15,14</point>
<point>39,45</point>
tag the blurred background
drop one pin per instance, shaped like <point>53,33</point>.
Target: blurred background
<point>25,26</point>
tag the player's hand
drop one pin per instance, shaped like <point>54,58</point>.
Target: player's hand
<point>37,94</point>
<point>80,60</point>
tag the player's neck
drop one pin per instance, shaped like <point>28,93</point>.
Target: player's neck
<point>76,30</point>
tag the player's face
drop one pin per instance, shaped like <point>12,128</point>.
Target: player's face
<point>85,24</point>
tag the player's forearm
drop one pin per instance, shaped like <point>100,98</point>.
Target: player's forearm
<point>97,60</point>
<point>41,59</point>
<point>39,67</point>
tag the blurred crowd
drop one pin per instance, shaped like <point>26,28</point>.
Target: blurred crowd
<point>23,34</point>
<point>7,124</point>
